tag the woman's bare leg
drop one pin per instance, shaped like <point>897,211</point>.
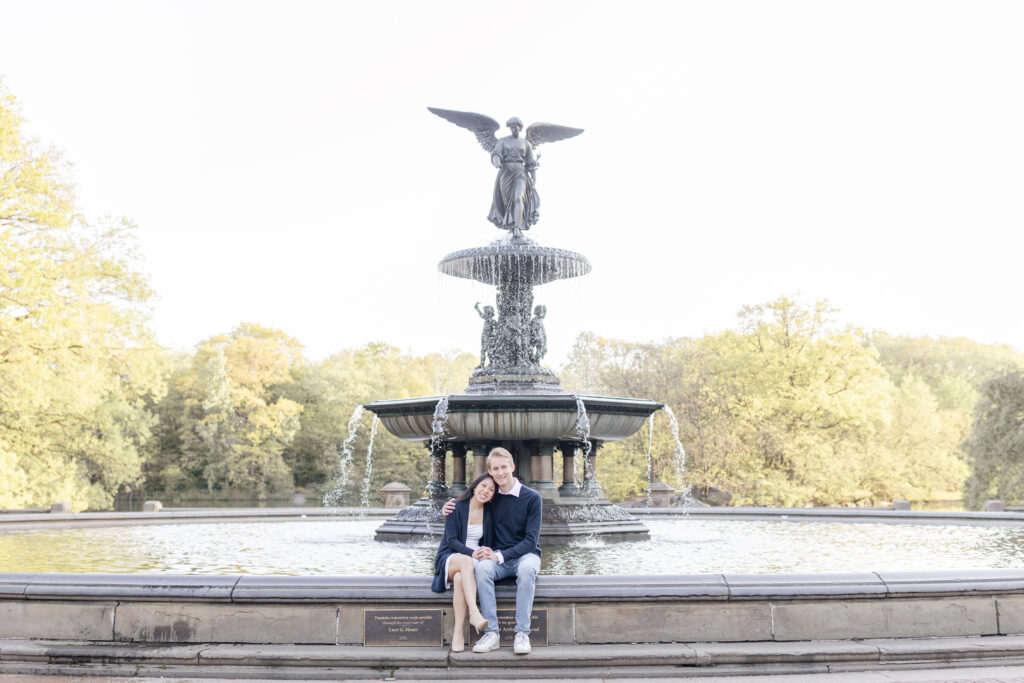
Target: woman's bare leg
<point>459,607</point>
<point>464,565</point>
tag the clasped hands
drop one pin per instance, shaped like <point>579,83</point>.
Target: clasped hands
<point>485,553</point>
<point>481,553</point>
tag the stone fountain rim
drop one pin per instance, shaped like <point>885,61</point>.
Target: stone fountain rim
<point>462,403</point>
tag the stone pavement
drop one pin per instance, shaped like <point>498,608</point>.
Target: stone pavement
<point>987,674</point>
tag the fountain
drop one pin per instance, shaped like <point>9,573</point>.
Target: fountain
<point>234,602</point>
<point>512,400</point>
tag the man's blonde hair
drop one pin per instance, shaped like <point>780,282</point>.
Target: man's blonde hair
<point>498,452</point>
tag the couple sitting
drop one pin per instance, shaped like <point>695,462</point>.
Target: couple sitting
<point>490,533</point>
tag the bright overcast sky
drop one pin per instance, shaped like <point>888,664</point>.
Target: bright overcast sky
<point>283,169</point>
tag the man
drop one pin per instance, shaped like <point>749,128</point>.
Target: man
<point>516,511</point>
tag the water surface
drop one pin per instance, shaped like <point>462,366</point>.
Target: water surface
<point>679,546</point>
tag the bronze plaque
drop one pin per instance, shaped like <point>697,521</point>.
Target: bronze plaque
<point>402,627</point>
<point>507,628</point>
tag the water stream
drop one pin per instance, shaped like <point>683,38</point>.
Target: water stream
<point>583,432</point>
<point>650,459</point>
<point>335,491</point>
<point>678,458</point>
<point>364,499</point>
<point>439,424</point>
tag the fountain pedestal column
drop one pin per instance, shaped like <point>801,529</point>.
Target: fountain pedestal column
<point>542,468</point>
<point>458,470</point>
<point>479,458</point>
<point>568,489</point>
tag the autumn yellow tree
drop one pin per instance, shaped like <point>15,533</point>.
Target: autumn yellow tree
<point>79,371</point>
<point>330,392</point>
<point>236,421</point>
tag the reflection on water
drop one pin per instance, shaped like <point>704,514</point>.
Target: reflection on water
<point>685,546</point>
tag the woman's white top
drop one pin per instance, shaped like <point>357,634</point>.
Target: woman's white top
<point>474,532</point>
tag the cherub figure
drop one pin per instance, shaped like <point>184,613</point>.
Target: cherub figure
<point>488,337</point>
<point>515,204</point>
<point>514,349</point>
<point>538,336</point>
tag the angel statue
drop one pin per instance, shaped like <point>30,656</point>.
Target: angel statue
<point>516,204</point>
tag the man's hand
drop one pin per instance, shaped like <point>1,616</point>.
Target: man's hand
<point>449,507</point>
<point>483,553</point>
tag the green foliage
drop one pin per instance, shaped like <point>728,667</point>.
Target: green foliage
<point>332,390</point>
<point>996,446</point>
<point>79,373</point>
<point>791,410</point>
<point>235,421</point>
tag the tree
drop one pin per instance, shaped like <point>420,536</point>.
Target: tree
<point>330,392</point>
<point>787,410</point>
<point>814,397</point>
<point>996,445</point>
<point>237,422</point>
<point>78,367</point>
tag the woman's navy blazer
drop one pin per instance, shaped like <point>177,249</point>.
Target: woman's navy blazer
<point>454,540</point>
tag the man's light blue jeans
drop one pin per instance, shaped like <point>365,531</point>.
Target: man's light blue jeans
<point>525,570</point>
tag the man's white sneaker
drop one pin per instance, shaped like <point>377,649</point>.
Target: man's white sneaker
<point>521,646</point>
<point>489,641</point>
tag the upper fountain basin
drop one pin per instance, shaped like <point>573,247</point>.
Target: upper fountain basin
<point>514,260</point>
<point>514,417</point>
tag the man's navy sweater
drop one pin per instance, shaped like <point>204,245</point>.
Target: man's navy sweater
<point>516,523</point>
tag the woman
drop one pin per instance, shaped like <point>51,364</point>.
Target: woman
<point>465,530</point>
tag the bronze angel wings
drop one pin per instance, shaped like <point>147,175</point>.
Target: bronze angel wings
<point>484,127</point>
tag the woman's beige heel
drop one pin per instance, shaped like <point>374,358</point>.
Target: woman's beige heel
<point>479,623</point>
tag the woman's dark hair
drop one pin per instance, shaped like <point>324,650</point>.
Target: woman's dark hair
<point>472,487</point>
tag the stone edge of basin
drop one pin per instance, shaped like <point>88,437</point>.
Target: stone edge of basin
<point>425,405</point>
<point>416,589</point>
<point>228,515</point>
<point>826,514</point>
<point>179,515</point>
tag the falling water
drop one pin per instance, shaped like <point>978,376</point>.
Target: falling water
<point>678,457</point>
<point>334,493</point>
<point>438,433</point>
<point>439,424</point>
<point>364,500</point>
<point>650,459</point>
<point>583,432</point>
<point>523,263</point>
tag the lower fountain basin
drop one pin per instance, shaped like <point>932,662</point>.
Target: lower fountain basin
<point>515,417</point>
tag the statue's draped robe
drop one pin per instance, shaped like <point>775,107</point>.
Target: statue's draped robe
<point>512,186</point>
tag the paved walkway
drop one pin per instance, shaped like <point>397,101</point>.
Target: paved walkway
<point>986,674</point>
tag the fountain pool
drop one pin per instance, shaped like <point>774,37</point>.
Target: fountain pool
<point>676,546</point>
